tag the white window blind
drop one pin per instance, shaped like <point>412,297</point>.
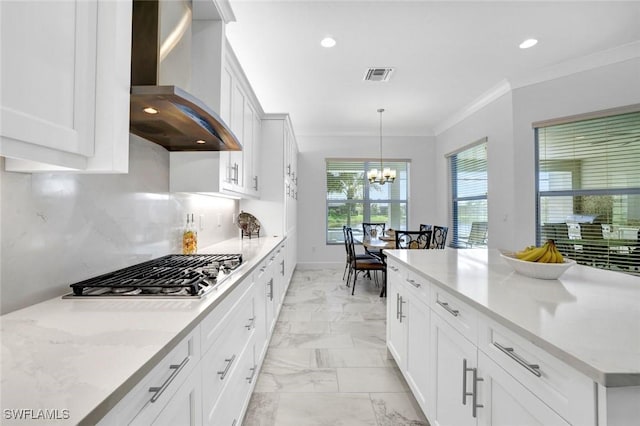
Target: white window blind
<point>468,207</point>
<point>352,200</point>
<point>588,178</point>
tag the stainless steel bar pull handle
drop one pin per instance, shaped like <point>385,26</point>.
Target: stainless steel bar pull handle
<point>270,289</point>
<point>229,361</point>
<point>252,322</point>
<point>397,306</point>
<point>413,283</point>
<point>448,308</point>
<point>253,373</point>
<point>465,370</point>
<point>475,405</point>
<point>531,368</point>
<point>401,309</point>
<point>255,186</point>
<point>282,268</point>
<point>176,370</point>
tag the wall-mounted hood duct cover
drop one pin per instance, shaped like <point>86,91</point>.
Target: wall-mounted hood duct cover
<point>167,115</point>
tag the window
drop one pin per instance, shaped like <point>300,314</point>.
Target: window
<point>588,188</point>
<point>468,208</point>
<point>351,200</point>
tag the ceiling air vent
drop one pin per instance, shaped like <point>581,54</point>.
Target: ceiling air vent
<point>378,74</point>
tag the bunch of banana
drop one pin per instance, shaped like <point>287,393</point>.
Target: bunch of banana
<point>548,253</point>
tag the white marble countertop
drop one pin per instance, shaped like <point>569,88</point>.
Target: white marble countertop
<point>589,318</point>
<point>84,355</point>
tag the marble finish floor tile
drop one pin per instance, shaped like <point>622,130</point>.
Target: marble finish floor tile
<point>325,410</point>
<point>357,357</point>
<point>383,379</point>
<point>327,361</point>
<point>288,379</point>
<point>397,409</point>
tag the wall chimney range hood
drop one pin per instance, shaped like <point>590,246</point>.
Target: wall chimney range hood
<point>166,114</point>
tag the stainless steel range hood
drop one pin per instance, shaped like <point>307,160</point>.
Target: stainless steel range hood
<point>166,114</point>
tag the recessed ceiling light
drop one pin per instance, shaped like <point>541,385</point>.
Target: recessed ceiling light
<point>530,42</point>
<point>200,141</point>
<point>328,42</point>
<point>150,110</point>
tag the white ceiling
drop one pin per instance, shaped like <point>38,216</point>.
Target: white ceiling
<point>446,54</point>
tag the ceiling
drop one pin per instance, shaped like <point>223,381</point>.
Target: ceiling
<point>446,54</point>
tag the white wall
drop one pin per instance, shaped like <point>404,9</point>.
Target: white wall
<point>312,247</point>
<point>507,124</point>
<point>58,229</point>
<point>494,122</point>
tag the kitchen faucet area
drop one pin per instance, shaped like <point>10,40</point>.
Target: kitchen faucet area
<point>310,212</point>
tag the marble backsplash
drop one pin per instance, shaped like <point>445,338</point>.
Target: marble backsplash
<point>57,229</point>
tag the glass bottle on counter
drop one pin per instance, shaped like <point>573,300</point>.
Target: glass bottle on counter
<point>189,238</point>
<point>194,229</point>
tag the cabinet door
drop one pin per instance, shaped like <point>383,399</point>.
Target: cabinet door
<point>453,383</point>
<point>48,79</point>
<point>417,372</point>
<point>255,156</point>
<point>233,402</point>
<point>237,126</point>
<point>507,402</point>
<point>185,406</point>
<point>247,149</point>
<point>396,320</point>
<point>65,85</point>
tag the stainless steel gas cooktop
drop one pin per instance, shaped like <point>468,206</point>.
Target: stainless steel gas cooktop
<point>171,276</point>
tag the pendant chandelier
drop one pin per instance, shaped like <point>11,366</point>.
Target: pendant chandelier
<point>383,175</point>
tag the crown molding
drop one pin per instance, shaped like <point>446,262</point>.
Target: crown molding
<point>600,59</point>
<point>596,60</point>
<point>485,99</point>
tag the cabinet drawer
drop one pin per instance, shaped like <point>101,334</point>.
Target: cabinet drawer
<point>219,363</point>
<point>151,394</point>
<point>212,326</point>
<point>418,285</point>
<point>457,313</point>
<point>557,384</point>
<point>230,407</point>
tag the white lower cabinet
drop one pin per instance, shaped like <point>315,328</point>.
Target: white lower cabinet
<point>396,333</point>
<point>209,376</point>
<point>506,402</point>
<point>455,376</point>
<point>464,369</point>
<point>171,390</point>
<point>185,407</point>
<point>408,321</point>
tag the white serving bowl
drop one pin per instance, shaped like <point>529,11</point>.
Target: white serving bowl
<point>544,271</point>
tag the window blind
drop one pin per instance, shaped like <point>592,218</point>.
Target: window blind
<point>588,179</point>
<point>352,200</point>
<point>468,186</point>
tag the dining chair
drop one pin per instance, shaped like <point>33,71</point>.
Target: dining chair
<point>373,230</point>
<point>413,239</point>
<point>362,256</point>
<point>358,264</point>
<point>439,236</point>
<point>425,227</point>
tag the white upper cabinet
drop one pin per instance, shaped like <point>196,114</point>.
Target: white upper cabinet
<point>226,89</point>
<point>65,85</point>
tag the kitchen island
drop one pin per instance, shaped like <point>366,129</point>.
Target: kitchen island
<point>73,360</point>
<point>570,345</point>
